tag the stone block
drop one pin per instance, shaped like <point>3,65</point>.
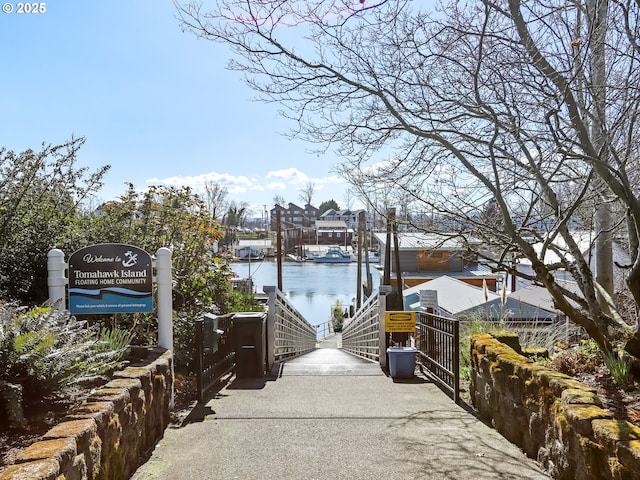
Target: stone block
<point>628,453</point>
<point>509,339</point>
<point>579,396</point>
<point>82,430</point>
<point>580,417</point>
<point>99,412</point>
<point>118,396</point>
<point>142,374</point>
<point>133,385</point>
<point>47,469</point>
<point>62,450</point>
<point>611,432</point>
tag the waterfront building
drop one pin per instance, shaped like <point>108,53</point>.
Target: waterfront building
<point>424,257</point>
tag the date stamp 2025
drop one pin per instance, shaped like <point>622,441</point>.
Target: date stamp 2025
<point>24,7</point>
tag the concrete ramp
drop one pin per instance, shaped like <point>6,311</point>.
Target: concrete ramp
<point>334,427</point>
<point>329,415</point>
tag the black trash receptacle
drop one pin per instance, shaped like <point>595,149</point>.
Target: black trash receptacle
<point>249,337</point>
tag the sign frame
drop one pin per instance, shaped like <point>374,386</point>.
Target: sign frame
<point>109,278</point>
<point>429,299</point>
<point>400,322</point>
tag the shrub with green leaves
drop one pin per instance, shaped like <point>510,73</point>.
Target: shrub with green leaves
<point>42,192</point>
<point>46,350</point>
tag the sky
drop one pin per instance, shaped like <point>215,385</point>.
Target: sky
<point>155,103</point>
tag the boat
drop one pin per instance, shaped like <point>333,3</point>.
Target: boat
<point>249,258</point>
<point>333,255</point>
<point>248,254</point>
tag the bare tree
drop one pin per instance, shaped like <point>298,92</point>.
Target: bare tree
<point>216,198</point>
<point>279,200</point>
<point>348,198</point>
<point>533,107</point>
<point>306,193</point>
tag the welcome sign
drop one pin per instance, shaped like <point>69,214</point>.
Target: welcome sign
<point>110,278</point>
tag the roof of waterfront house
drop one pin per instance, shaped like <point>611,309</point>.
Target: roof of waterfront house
<point>424,241</point>
<point>513,310</point>
<point>470,271</point>
<point>453,295</point>
<point>539,296</point>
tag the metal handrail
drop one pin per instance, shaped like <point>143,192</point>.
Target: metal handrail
<point>323,329</point>
<point>215,355</point>
<point>293,335</point>
<point>361,335</point>
<point>438,343</point>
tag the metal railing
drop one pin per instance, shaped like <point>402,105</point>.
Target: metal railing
<point>323,329</point>
<point>361,336</point>
<point>215,355</point>
<point>292,334</point>
<point>438,343</point>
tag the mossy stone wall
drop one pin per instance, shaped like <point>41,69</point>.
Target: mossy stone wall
<point>551,416</point>
<point>105,437</point>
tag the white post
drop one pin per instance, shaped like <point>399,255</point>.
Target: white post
<point>271,325</point>
<point>56,279</point>
<point>164,280</point>
<point>165,302</point>
<point>382,311</point>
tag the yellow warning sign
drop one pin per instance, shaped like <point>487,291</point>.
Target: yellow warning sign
<point>400,322</point>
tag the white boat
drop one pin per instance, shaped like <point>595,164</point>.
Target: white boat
<point>333,255</point>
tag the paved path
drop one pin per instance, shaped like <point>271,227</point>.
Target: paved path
<point>330,415</point>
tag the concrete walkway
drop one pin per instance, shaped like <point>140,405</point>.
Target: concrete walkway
<point>330,415</point>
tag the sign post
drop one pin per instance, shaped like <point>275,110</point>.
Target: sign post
<point>56,281</point>
<point>165,301</point>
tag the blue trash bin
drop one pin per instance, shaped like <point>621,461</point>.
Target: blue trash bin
<point>402,361</point>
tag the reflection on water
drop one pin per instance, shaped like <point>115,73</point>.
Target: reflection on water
<point>310,287</point>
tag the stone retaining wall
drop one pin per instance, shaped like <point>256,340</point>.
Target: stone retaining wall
<point>105,438</point>
<point>551,416</point>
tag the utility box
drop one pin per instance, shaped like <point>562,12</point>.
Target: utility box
<point>249,338</point>
<point>211,333</point>
<point>402,361</point>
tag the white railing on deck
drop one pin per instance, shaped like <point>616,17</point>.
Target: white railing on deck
<point>361,336</point>
<point>289,334</point>
<point>323,329</point>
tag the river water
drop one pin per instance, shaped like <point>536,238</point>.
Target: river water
<point>312,288</point>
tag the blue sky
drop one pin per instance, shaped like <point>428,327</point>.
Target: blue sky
<point>153,102</point>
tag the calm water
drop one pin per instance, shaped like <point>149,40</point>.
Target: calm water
<point>310,287</point>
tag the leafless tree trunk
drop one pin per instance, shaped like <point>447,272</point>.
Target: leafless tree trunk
<point>216,199</point>
<point>306,193</point>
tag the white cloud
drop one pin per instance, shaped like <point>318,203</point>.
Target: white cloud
<point>289,175</point>
<point>235,184</point>
<point>276,186</point>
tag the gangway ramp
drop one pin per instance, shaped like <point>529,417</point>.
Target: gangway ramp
<point>327,359</point>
